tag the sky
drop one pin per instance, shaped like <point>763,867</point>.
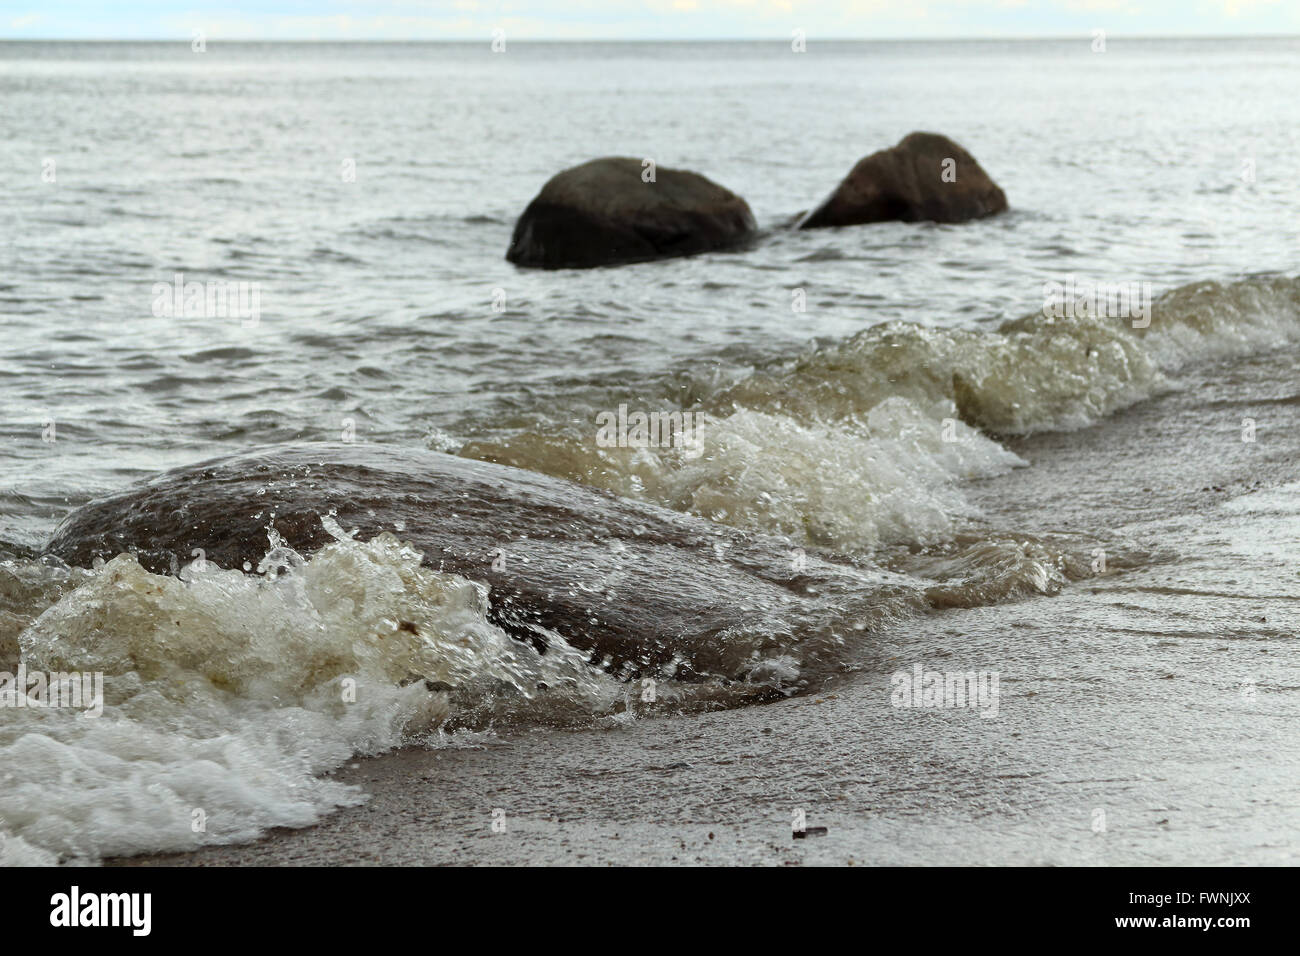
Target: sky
<point>524,20</point>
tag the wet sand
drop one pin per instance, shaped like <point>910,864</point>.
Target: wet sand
<point>1146,716</point>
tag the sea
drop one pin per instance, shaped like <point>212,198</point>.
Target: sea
<point>1072,429</point>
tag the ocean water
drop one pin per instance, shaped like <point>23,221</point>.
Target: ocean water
<point>369,192</point>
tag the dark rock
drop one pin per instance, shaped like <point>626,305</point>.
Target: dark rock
<point>602,212</point>
<point>906,182</point>
<point>636,585</point>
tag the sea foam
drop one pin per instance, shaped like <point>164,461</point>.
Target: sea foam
<point>866,442</point>
<point>228,695</point>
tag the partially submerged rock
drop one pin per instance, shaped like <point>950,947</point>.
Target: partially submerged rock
<point>926,177</point>
<point>644,589</point>
<point>604,212</point>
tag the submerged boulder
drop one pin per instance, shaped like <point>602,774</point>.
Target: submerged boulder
<point>926,177</point>
<point>604,212</point>
<point>643,589</point>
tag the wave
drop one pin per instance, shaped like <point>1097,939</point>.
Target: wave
<point>226,696</point>
<point>864,442</point>
<point>230,696</point>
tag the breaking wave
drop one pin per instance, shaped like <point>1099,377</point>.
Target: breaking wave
<point>865,442</point>
<point>226,695</point>
<point>230,696</point>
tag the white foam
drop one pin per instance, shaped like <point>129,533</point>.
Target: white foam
<point>227,695</point>
<point>846,446</point>
<point>851,485</point>
<point>853,444</point>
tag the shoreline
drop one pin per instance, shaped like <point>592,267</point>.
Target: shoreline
<point>1079,672</point>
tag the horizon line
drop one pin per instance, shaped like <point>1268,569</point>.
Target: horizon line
<point>733,39</point>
